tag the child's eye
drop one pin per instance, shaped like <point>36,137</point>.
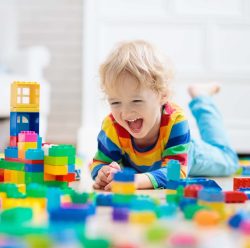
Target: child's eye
<point>114,103</point>
<point>137,101</point>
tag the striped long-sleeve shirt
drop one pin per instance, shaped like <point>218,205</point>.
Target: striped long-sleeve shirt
<point>116,144</point>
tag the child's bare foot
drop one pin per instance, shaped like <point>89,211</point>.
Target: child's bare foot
<point>206,89</point>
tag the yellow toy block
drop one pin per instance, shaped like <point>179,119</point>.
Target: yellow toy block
<point>26,145</point>
<point>142,217</point>
<point>25,97</point>
<point>22,186</point>
<point>217,206</point>
<point>20,178</point>
<point>171,191</point>
<point>56,169</point>
<point>123,188</point>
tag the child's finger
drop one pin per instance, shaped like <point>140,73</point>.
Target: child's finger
<point>105,169</point>
<point>100,182</point>
<point>108,187</point>
<point>96,186</point>
<point>103,177</point>
<point>115,165</point>
<point>112,172</point>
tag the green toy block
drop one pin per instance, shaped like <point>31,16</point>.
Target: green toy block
<point>96,243</point>
<point>119,198</point>
<point>34,177</point>
<point>17,215</point>
<point>56,184</point>
<point>36,190</point>
<point>190,210</point>
<point>55,160</point>
<point>157,233</point>
<point>39,241</point>
<point>79,197</point>
<point>11,165</point>
<point>62,151</point>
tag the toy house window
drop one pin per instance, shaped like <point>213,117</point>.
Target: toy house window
<point>23,95</point>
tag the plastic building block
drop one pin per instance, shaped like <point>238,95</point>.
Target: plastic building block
<point>13,141</point>
<point>165,211</point>
<point>190,210</point>
<point>27,136</point>
<point>235,197</point>
<point>53,198</point>
<point>36,190</point>
<point>207,218</point>
<point>25,96</point>
<point>16,215</point>
<point>56,160</point>
<point>173,170</point>
<point>79,197</point>
<point>120,214</point>
<point>211,195</point>
<point>183,240</point>
<point>236,220</point>
<point>34,168</point>
<point>184,202</point>
<point>34,154</point>
<point>123,187</point>
<point>192,190</point>
<point>66,178</point>
<point>62,151</point>
<point>56,169</point>
<point>104,200</point>
<point>34,177</point>
<point>124,176</point>
<point>11,152</point>
<point>241,183</point>
<point>143,217</point>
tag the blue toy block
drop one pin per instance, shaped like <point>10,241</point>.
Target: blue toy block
<point>23,121</point>
<point>166,211</point>
<point>206,183</point>
<point>246,170</point>
<point>236,220</point>
<point>125,175</point>
<point>34,154</point>
<point>11,152</point>
<point>34,168</point>
<point>104,200</point>
<point>53,199</point>
<point>142,205</point>
<point>71,168</point>
<point>184,202</point>
<point>173,170</point>
<point>211,195</point>
<point>39,142</point>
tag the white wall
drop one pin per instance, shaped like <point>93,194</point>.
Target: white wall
<point>57,24</point>
<point>206,40</point>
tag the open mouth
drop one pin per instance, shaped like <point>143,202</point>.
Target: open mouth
<point>135,125</point>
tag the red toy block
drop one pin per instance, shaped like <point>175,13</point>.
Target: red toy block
<point>192,190</point>
<point>66,178</point>
<point>26,161</point>
<point>243,182</point>
<point>235,197</point>
<point>1,175</point>
<point>13,140</point>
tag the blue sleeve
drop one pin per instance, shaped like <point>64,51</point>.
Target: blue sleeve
<point>158,178</point>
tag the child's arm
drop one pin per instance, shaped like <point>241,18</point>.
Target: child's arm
<point>177,149</point>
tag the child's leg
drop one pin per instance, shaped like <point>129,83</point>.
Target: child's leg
<point>212,155</point>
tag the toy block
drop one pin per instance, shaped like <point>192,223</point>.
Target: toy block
<point>53,198</point>
<point>49,177</point>
<point>34,168</point>
<point>17,215</point>
<point>62,151</point>
<point>12,165</point>
<point>184,202</point>
<point>120,214</point>
<point>71,168</point>
<point>79,197</point>
<point>35,190</point>
<point>56,184</point>
<point>142,217</point>
<point>33,177</point>
<point>23,121</point>
<point>173,170</point>
<point>207,218</point>
<point>192,190</point>
<point>211,195</point>
<point>56,169</point>
<point>124,176</point>
<point>21,154</point>
<point>56,160</point>
<point>245,171</point>
<point>123,188</point>
<point>166,210</point>
<point>66,178</point>
<point>13,141</point>
<point>34,154</point>
<point>25,161</point>
<point>235,197</point>
<point>241,183</point>
<point>26,145</point>
<point>7,175</point>
<point>46,147</point>
<point>1,175</point>
<point>27,136</point>
<point>11,152</point>
<point>104,200</point>
<point>25,96</point>
<point>123,199</point>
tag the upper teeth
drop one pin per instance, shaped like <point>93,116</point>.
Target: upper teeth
<point>133,120</point>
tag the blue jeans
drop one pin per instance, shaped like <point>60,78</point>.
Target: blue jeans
<point>211,155</point>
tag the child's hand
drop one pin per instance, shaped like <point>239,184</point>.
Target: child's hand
<point>114,167</point>
<point>101,179</point>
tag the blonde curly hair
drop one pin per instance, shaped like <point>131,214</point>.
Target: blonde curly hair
<point>140,60</point>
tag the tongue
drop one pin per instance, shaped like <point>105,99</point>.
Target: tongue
<point>135,125</point>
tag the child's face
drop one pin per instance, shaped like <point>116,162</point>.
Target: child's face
<point>137,109</point>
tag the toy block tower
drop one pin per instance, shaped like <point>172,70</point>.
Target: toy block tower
<point>24,115</point>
